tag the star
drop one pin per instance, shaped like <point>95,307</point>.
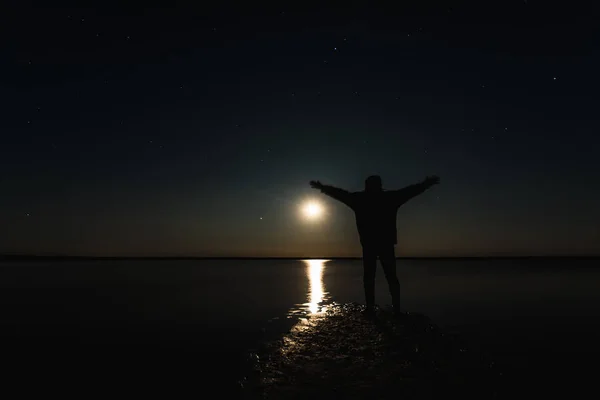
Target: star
<point>554,78</point>
<point>261,218</point>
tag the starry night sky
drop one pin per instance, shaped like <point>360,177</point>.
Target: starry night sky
<point>195,131</point>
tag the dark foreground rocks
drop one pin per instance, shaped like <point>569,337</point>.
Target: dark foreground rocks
<point>344,354</point>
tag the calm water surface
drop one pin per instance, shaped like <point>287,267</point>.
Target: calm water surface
<point>189,315</point>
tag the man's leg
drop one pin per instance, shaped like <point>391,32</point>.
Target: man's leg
<point>369,268</point>
<point>388,261</point>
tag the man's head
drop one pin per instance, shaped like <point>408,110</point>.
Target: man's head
<point>373,184</point>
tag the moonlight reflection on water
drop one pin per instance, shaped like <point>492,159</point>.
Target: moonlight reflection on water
<point>316,290</point>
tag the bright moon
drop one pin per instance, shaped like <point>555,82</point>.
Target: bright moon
<point>312,210</point>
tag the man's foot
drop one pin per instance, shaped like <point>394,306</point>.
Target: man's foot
<point>369,312</point>
<point>397,313</point>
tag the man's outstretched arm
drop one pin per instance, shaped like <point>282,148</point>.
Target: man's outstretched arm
<point>339,194</point>
<point>407,193</point>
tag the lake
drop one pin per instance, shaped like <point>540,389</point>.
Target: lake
<point>174,325</point>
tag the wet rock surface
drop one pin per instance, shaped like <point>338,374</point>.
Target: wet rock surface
<point>344,353</point>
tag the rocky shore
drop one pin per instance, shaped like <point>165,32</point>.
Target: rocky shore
<point>342,353</point>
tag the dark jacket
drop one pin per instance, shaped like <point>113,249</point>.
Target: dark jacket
<point>375,212</point>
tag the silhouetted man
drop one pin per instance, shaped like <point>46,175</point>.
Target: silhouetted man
<point>375,210</point>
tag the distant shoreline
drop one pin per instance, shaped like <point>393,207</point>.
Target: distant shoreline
<point>14,257</point>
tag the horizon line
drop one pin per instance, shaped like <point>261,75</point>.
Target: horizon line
<point>16,257</point>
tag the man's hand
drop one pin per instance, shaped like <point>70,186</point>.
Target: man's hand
<point>316,185</point>
<point>432,180</point>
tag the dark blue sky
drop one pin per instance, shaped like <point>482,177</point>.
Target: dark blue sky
<point>173,131</point>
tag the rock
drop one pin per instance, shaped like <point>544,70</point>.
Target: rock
<point>343,354</point>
